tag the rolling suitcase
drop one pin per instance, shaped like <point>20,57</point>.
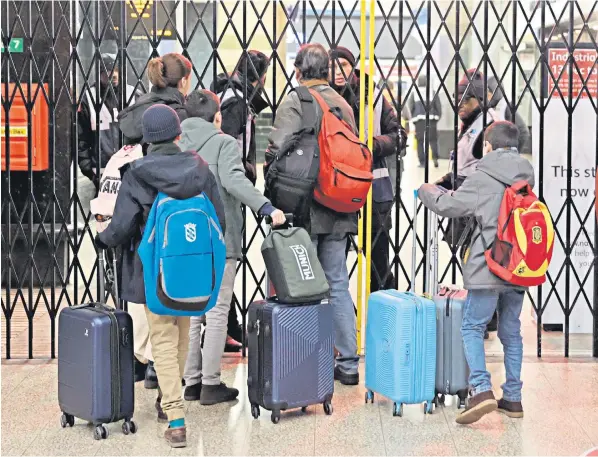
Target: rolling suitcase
<point>400,358</point>
<point>95,364</point>
<point>452,371</point>
<point>290,356</point>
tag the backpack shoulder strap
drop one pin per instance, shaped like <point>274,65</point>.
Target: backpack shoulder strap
<point>308,110</point>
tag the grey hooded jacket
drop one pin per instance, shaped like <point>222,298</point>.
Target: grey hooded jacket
<point>165,169</point>
<point>223,155</point>
<point>480,197</point>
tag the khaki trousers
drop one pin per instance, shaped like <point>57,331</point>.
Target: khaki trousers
<point>142,344</point>
<point>169,336</point>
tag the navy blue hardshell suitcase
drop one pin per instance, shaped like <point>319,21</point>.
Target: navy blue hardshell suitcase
<point>290,356</point>
<point>95,364</point>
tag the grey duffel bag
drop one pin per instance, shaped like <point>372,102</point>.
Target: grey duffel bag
<point>293,266</point>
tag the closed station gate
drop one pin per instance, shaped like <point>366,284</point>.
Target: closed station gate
<point>539,55</point>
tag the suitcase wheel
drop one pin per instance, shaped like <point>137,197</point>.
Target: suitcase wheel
<point>100,432</point>
<point>255,411</point>
<point>369,397</point>
<point>428,407</point>
<point>304,409</point>
<point>67,419</point>
<point>275,418</point>
<point>129,427</point>
<point>328,409</point>
<point>397,409</point>
<point>442,399</point>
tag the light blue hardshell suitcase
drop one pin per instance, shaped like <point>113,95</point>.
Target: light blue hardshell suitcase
<point>400,358</point>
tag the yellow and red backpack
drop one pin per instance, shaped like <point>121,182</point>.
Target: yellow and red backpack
<point>524,240</point>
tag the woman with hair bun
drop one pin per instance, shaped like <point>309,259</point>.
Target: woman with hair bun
<point>170,76</point>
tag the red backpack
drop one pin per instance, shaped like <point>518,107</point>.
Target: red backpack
<point>345,175</point>
<point>524,240</point>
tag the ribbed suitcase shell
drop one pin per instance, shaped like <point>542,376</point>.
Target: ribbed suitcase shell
<point>400,358</point>
<point>290,355</point>
<point>92,385</point>
<point>452,371</point>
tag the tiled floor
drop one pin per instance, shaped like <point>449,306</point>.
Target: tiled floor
<point>560,399</point>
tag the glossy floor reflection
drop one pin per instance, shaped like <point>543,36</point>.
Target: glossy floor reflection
<point>560,400</point>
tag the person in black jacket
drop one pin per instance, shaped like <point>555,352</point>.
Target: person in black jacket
<point>105,121</point>
<point>170,76</point>
<point>241,103</point>
<point>497,101</point>
<point>389,140</point>
<point>417,112</point>
<point>180,175</point>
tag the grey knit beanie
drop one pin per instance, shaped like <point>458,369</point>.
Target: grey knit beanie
<point>160,124</point>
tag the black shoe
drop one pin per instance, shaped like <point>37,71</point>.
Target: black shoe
<point>140,369</point>
<point>151,378</point>
<point>212,395</point>
<point>346,378</point>
<point>421,165</point>
<point>192,393</point>
<point>436,164</point>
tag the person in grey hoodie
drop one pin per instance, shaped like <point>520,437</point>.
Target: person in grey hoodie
<point>201,132</point>
<point>480,197</point>
<point>180,175</point>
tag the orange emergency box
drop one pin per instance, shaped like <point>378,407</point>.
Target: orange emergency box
<point>17,129</point>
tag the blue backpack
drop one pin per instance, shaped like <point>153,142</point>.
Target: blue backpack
<point>183,255</point>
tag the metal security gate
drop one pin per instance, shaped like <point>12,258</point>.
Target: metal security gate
<point>542,53</point>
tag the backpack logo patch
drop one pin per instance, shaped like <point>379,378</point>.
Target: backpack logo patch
<point>303,262</point>
<point>190,232</point>
<point>537,234</point>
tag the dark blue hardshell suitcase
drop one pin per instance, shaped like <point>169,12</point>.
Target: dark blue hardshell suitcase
<point>290,356</point>
<point>95,365</point>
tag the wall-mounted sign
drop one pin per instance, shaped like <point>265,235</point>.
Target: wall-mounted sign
<point>558,61</point>
<point>15,46</point>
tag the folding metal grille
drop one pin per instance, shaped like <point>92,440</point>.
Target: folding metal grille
<point>52,56</point>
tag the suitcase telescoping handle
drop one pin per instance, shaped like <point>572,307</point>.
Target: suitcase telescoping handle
<point>431,265</point>
<point>414,247</point>
<point>102,278</point>
<point>433,287</point>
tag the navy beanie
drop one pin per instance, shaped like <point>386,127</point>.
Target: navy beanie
<point>160,124</point>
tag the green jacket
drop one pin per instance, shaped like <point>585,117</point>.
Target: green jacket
<point>223,155</point>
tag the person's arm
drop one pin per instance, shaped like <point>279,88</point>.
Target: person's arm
<point>233,179</point>
<point>126,218</point>
<point>386,144</point>
<point>437,105</point>
<point>85,149</point>
<point>524,135</point>
<point>287,121</point>
<point>460,203</point>
<point>211,190</point>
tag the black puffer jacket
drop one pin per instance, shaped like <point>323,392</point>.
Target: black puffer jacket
<point>107,138</point>
<point>165,169</point>
<point>235,115</point>
<point>130,118</point>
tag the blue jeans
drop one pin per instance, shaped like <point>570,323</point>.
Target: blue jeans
<point>479,308</point>
<point>331,253</point>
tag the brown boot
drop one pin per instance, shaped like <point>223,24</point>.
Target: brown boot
<point>510,408</point>
<point>477,406</point>
<point>176,437</point>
